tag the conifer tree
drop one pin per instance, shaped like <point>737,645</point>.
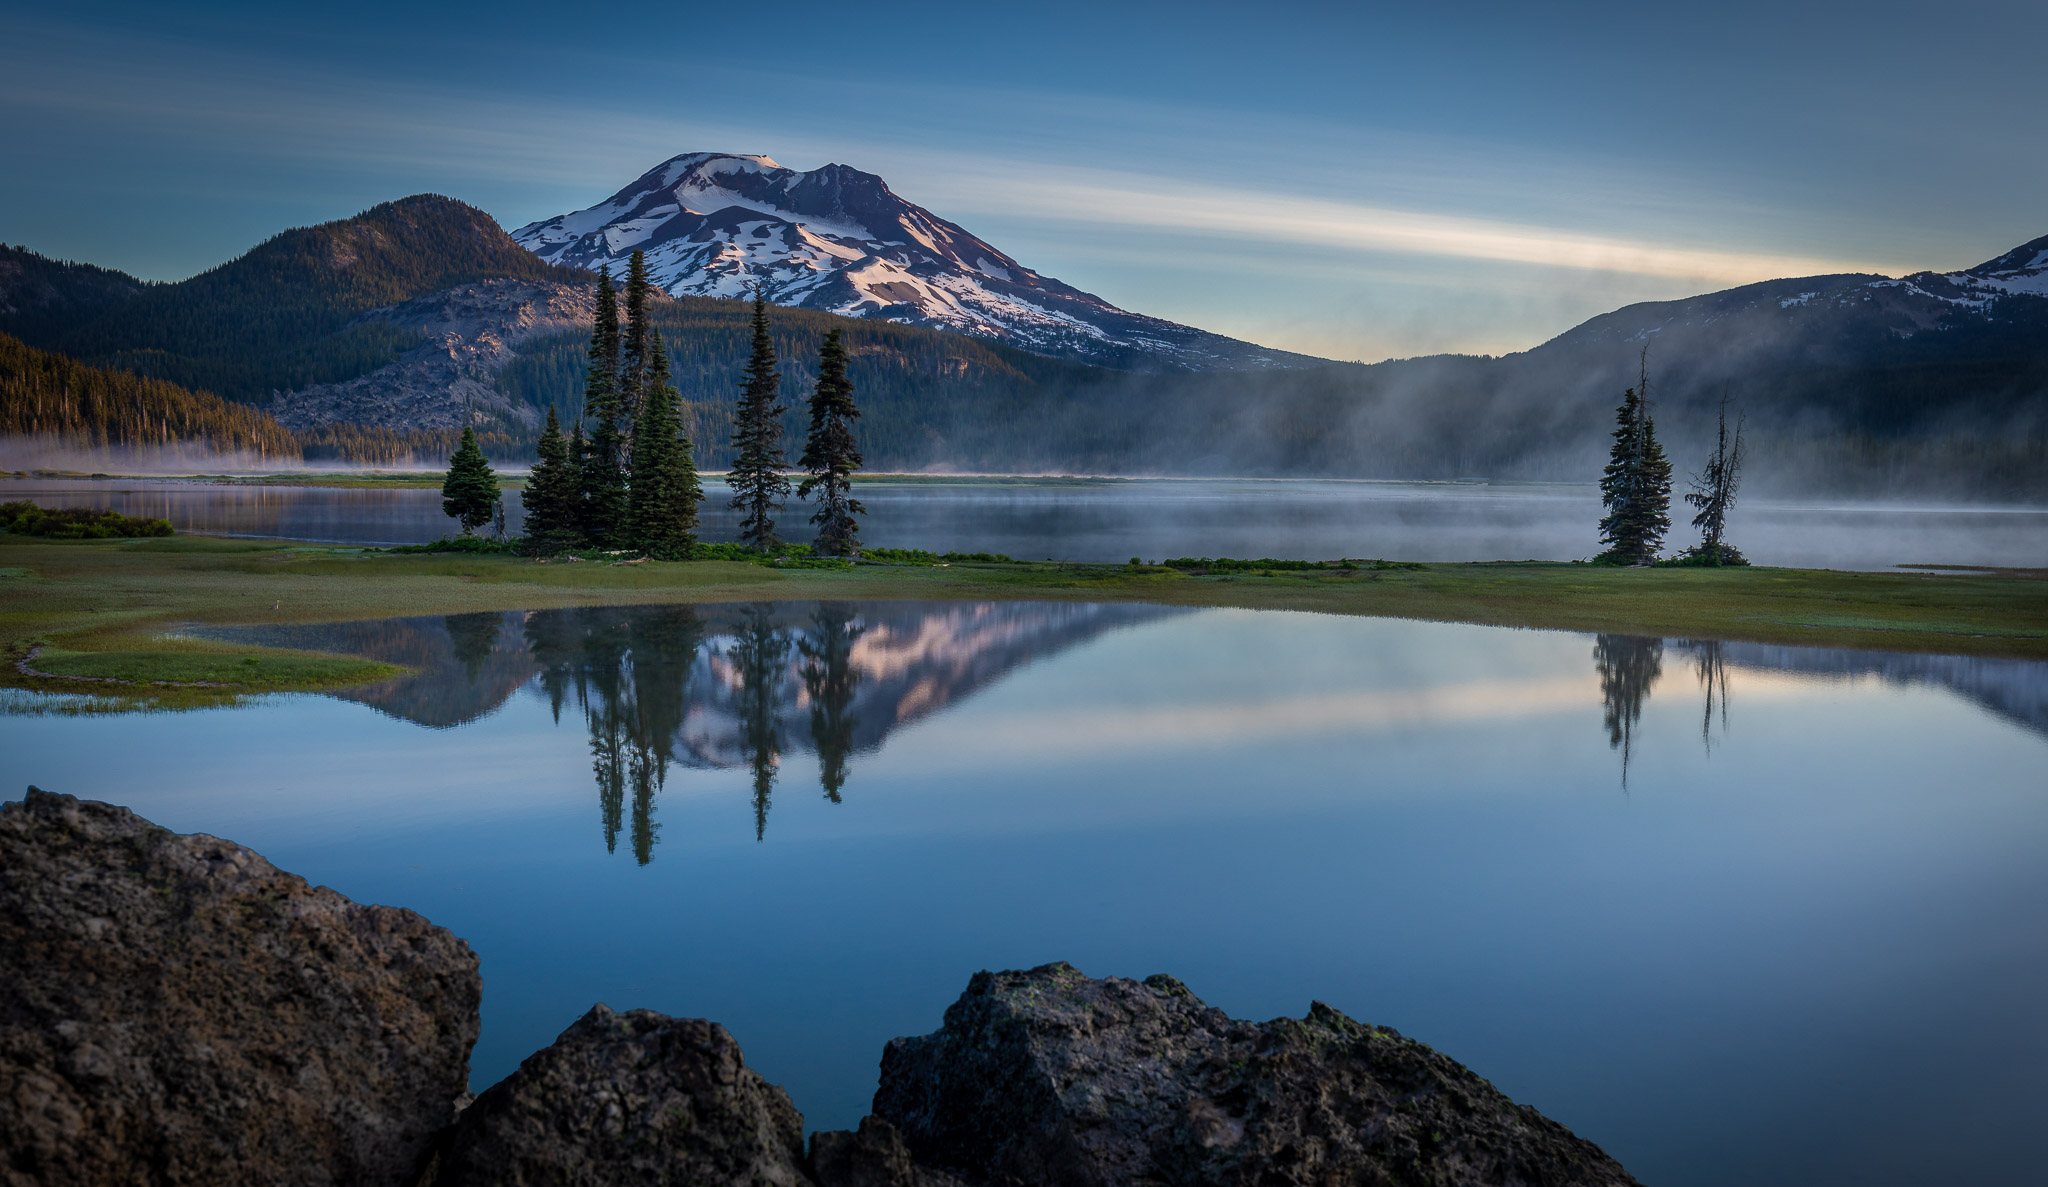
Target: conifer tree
<point>665,490</point>
<point>1636,486</point>
<point>1713,493</point>
<point>633,355</point>
<point>604,477</point>
<point>831,455</point>
<point>470,492</point>
<point>554,519</point>
<point>756,477</point>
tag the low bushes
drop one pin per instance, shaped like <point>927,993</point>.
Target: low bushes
<point>24,518</point>
<point>1224,564</point>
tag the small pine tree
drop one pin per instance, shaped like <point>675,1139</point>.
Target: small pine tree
<point>1713,493</point>
<point>665,488</point>
<point>756,477</point>
<point>1636,486</point>
<point>603,465</point>
<point>554,514</point>
<point>831,456</point>
<point>470,492</point>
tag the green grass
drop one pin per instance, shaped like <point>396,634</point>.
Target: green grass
<point>114,598</point>
<point>234,670</point>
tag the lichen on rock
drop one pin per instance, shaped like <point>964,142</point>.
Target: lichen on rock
<point>1052,1077</point>
<point>630,1098</point>
<point>175,1009</point>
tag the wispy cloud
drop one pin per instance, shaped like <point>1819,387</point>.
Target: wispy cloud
<point>1160,203</point>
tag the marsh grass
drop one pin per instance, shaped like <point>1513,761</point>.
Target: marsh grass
<point>202,663</point>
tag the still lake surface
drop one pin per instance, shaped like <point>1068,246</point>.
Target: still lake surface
<point>1738,913</point>
<point>1114,520</point>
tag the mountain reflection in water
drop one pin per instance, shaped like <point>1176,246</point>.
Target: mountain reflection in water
<point>708,687</point>
<point>725,687</point>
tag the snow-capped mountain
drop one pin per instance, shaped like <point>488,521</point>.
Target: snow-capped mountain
<point>839,240</point>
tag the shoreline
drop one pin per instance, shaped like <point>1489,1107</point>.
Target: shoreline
<point>107,605</point>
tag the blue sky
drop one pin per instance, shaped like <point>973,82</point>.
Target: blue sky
<point>1355,181</point>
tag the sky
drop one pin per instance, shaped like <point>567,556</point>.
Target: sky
<point>1355,181</point>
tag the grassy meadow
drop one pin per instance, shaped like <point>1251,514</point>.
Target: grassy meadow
<point>90,615</point>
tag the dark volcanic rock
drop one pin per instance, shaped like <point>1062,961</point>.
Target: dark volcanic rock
<point>629,1098</point>
<point>872,1156</point>
<point>175,1009</point>
<point>1049,1077</point>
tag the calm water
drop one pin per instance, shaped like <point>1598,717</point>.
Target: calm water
<point>1738,913</point>
<point>1160,518</point>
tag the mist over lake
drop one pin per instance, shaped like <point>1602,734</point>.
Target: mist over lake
<point>1112,520</point>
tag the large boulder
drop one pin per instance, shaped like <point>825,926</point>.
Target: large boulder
<point>632,1098</point>
<point>175,1009</point>
<point>1051,1078</point>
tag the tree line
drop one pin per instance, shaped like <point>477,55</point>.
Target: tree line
<point>625,476</point>
<point>48,395</point>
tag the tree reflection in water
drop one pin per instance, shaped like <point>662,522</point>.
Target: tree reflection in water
<point>1629,666</point>
<point>473,637</point>
<point>830,677</point>
<point>759,654</point>
<point>631,676</point>
<point>1711,666</point>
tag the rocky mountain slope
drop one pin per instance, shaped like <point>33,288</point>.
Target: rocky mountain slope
<point>469,334</point>
<point>837,239</point>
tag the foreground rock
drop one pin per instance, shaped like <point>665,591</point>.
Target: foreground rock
<point>175,1009</point>
<point>1050,1077</point>
<point>629,1098</point>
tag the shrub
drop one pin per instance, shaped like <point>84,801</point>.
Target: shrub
<point>461,544</point>
<point>24,518</point>
<point>919,556</point>
<point>1702,556</point>
<point>1189,564</point>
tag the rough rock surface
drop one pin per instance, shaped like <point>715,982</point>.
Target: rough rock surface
<point>872,1156</point>
<point>472,331</point>
<point>633,1098</point>
<point>1050,1077</point>
<point>175,1009</point>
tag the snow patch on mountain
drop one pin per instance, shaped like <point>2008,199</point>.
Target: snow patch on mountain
<point>837,239</point>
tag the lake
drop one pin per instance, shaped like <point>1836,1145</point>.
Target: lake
<point>1738,913</point>
<point>1114,520</point>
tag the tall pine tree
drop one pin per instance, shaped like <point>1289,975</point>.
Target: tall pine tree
<point>756,477</point>
<point>634,362</point>
<point>665,488</point>
<point>470,492</point>
<point>554,511</point>
<point>1636,486</point>
<point>831,455</point>
<point>604,453</point>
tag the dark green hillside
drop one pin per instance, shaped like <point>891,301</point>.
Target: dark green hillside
<point>47,395</point>
<point>41,298</point>
<point>279,315</point>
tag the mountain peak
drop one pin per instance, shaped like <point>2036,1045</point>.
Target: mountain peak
<point>2031,256</point>
<point>838,239</point>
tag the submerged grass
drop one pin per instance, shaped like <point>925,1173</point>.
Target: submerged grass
<point>106,602</point>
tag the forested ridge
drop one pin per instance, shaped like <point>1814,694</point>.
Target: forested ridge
<point>47,395</point>
<point>284,314</point>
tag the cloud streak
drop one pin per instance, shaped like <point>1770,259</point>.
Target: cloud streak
<point>1160,203</point>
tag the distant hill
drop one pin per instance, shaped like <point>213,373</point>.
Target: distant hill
<point>41,298</point>
<point>285,314</point>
